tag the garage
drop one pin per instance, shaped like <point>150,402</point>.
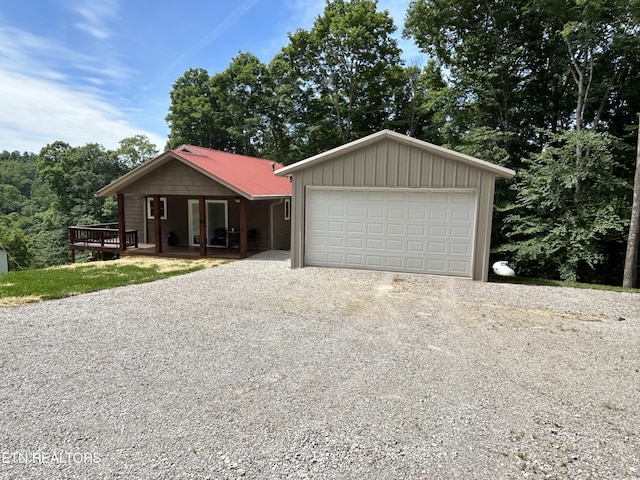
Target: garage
<point>412,230</point>
<point>391,202</point>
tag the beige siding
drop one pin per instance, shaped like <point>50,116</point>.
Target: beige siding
<point>389,163</point>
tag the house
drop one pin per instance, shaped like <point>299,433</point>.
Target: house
<point>199,200</point>
<point>391,202</point>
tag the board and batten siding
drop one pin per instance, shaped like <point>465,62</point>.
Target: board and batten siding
<point>392,164</point>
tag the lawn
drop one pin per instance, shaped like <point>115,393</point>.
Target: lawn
<point>559,283</point>
<point>19,287</point>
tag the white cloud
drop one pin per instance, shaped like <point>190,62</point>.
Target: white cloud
<point>37,112</point>
<point>50,92</point>
<point>22,51</point>
<point>95,15</point>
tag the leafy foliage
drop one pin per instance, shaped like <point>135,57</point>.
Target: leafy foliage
<point>40,195</point>
<point>557,230</point>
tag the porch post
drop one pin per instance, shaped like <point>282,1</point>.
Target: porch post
<point>202,211</point>
<point>243,227</point>
<point>72,241</point>
<point>157,222</point>
<point>122,236</point>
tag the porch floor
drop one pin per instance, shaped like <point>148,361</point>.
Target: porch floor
<point>149,249</point>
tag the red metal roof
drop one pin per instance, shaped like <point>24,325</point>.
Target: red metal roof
<point>249,175</point>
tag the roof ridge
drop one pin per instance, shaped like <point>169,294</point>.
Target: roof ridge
<point>192,149</point>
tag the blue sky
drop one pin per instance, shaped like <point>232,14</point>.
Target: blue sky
<point>85,71</point>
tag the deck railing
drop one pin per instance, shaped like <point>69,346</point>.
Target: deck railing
<point>104,235</point>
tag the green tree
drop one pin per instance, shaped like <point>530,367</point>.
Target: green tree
<point>241,94</point>
<point>191,113</point>
<point>134,151</point>
<point>74,174</point>
<point>559,231</point>
<point>500,62</point>
<point>346,72</point>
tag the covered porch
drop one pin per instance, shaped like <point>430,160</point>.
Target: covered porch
<point>105,238</point>
<point>199,202</point>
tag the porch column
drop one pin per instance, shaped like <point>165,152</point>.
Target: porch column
<point>122,236</point>
<point>157,222</point>
<point>243,227</point>
<point>202,213</point>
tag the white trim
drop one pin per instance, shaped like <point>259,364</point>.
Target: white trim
<point>192,233</point>
<point>150,212</point>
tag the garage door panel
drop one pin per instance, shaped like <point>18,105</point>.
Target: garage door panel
<point>356,212</point>
<point>395,245</point>
<point>461,233</point>
<point>375,212</point>
<point>415,264</point>
<point>460,215</point>
<point>439,197</point>
<point>354,260</point>
<point>459,249</point>
<point>394,263</point>
<point>337,242</point>
<point>395,229</point>
<point>335,259</point>
<point>355,227</point>
<point>375,228</point>
<point>374,244</point>
<point>334,228</point>
<point>376,196</point>
<point>396,212</point>
<point>437,247</point>
<point>438,231</point>
<point>353,242</point>
<point>458,267</point>
<point>426,230</point>
<point>373,261</point>
<point>415,247</point>
<point>436,266</point>
<point>416,230</point>
<point>438,214</point>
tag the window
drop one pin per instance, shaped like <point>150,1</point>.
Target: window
<point>287,209</point>
<point>163,208</point>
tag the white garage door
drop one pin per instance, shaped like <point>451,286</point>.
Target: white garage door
<point>405,230</point>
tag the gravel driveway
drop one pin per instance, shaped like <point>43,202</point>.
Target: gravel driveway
<point>254,370</point>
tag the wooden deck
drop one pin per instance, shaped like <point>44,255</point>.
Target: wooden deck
<point>148,249</point>
<point>106,238</point>
<point>100,238</point>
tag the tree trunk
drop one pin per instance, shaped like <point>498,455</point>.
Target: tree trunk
<point>629,278</point>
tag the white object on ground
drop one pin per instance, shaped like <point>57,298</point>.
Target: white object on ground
<point>502,268</point>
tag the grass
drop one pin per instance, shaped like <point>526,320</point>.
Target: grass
<point>558,283</point>
<point>19,287</point>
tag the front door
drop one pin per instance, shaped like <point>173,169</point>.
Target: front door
<point>217,219</point>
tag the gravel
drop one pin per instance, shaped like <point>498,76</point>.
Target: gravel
<point>254,370</point>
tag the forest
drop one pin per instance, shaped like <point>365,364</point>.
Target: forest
<point>549,88</point>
